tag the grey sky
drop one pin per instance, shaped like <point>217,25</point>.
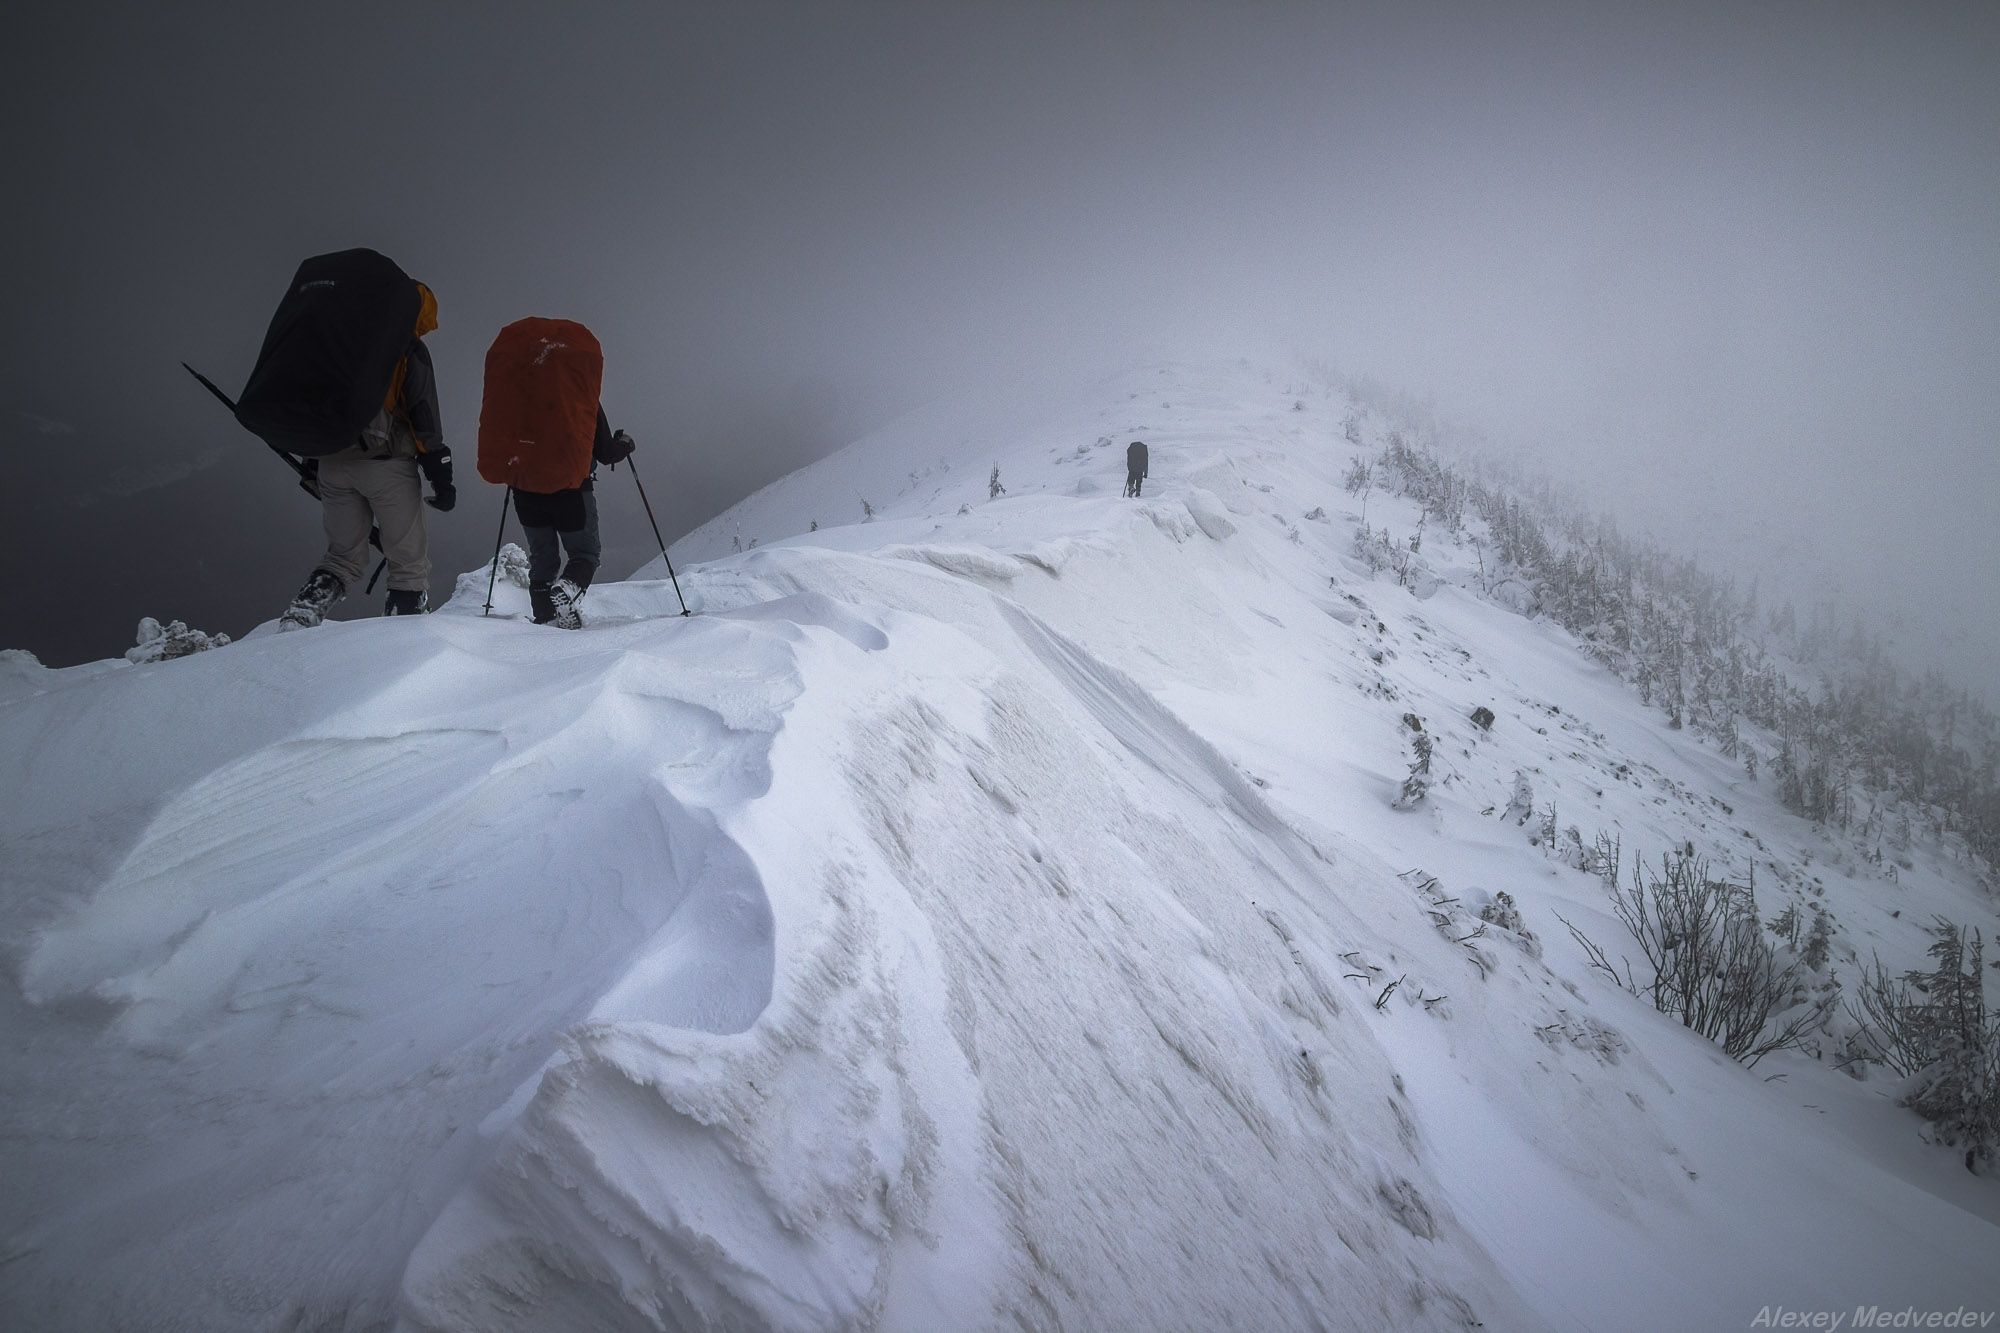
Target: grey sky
<point>1681,244</point>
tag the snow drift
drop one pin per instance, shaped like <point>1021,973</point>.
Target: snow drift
<point>988,913</point>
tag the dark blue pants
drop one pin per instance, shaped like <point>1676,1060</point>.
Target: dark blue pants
<point>548,545</point>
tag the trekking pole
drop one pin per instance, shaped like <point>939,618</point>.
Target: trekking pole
<point>656,534</point>
<point>490,578</point>
<point>306,482</point>
<point>308,479</point>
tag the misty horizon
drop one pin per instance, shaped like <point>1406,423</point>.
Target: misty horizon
<point>1729,275</point>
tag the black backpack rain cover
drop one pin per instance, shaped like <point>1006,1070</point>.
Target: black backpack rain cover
<point>330,353</point>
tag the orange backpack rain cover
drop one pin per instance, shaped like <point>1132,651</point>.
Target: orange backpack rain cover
<point>538,417</point>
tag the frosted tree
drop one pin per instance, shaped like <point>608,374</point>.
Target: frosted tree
<point>1417,784</point>
<point>1819,941</point>
<point>1935,1030</point>
<point>994,490</point>
<point>1856,734</point>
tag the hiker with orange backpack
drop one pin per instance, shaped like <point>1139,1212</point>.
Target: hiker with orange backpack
<point>542,433</point>
<point>562,534</point>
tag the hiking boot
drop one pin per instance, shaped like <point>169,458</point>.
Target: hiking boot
<point>544,607</point>
<point>308,609</point>
<point>563,597</point>
<point>407,602</point>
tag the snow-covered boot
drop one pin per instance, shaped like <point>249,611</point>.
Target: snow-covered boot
<point>406,602</point>
<point>563,597</point>
<point>321,591</point>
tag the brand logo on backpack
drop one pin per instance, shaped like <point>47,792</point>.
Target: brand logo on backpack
<point>318,282</point>
<point>548,349</point>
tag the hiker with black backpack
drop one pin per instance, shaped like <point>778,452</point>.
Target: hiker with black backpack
<point>1135,467</point>
<point>372,488</point>
<point>542,434</point>
<point>344,393</point>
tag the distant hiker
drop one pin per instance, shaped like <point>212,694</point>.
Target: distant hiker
<point>345,381</point>
<point>1135,467</point>
<point>542,433</point>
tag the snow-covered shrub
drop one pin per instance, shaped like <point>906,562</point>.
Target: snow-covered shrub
<point>1814,943</point>
<point>1350,428</point>
<point>158,644</point>
<point>1569,849</point>
<point>1358,476</point>
<point>1520,805</point>
<point>1317,514</point>
<point>1585,1034</point>
<point>1373,548</point>
<point>1935,1030</point>
<point>867,511</point>
<point>514,564</point>
<point>994,490</point>
<point>1379,551</point>
<point>1708,960</point>
<point>1604,857</point>
<point>1503,913</point>
<point>1440,490</point>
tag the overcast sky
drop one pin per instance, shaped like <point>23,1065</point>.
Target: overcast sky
<point>1735,262</point>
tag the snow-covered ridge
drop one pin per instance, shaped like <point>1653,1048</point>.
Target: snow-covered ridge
<point>992,912</point>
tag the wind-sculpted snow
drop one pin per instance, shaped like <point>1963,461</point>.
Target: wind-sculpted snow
<point>991,914</point>
<point>321,965</point>
<point>1030,1033</point>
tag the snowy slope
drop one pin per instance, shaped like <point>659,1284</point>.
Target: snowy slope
<point>981,914</point>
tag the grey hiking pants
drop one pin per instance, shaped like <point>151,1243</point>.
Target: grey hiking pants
<point>356,491</point>
<point>547,546</point>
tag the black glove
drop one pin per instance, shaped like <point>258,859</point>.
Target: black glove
<point>436,465</point>
<point>620,449</point>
